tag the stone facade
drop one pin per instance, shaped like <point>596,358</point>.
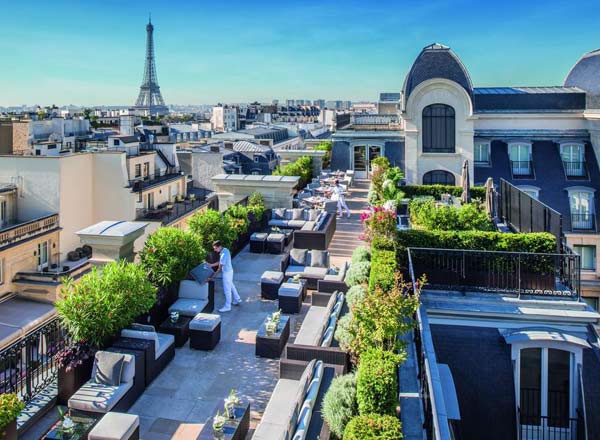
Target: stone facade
<point>277,191</point>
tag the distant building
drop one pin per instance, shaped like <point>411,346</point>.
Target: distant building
<point>225,118</point>
<point>389,103</point>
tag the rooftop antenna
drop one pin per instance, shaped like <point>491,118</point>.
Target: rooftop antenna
<point>150,17</point>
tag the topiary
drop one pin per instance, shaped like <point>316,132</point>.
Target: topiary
<point>355,295</point>
<point>377,382</point>
<point>339,403</point>
<point>358,273</point>
<point>373,427</point>
<point>11,407</point>
<point>361,254</point>
<point>342,332</point>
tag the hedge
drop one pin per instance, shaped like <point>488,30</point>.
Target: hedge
<point>410,191</point>
<point>373,427</point>
<point>383,269</point>
<point>377,382</point>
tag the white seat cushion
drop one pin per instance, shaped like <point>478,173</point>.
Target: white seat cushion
<point>164,342</point>
<point>205,322</point>
<point>312,327</point>
<point>333,277</point>
<point>95,397</point>
<point>188,307</point>
<point>315,272</point>
<point>294,270</point>
<point>189,289</point>
<point>271,277</point>
<point>279,412</point>
<point>137,334</point>
<point>290,289</point>
<point>278,223</point>
<point>296,223</point>
<point>115,426</point>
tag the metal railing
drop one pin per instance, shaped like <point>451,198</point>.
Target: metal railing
<point>521,167</point>
<point>501,272</point>
<point>30,364</point>
<point>536,427</point>
<point>160,176</point>
<point>584,221</point>
<point>575,168</point>
<point>171,212</point>
<point>28,229</point>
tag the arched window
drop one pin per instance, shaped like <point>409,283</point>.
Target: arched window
<point>438,129</point>
<point>438,177</point>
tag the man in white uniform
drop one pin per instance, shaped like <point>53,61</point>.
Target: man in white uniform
<point>337,193</point>
<point>225,266</point>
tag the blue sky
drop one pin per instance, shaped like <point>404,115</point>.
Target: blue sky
<point>92,53</point>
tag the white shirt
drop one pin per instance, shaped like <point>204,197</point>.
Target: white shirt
<point>225,260</point>
<point>337,193</point>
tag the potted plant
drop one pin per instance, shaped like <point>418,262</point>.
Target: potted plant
<point>10,408</point>
<point>231,402</point>
<point>219,423</point>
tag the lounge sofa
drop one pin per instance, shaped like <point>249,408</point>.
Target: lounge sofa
<point>334,282</point>
<point>97,397</point>
<point>293,412</point>
<point>315,337</point>
<point>194,298</point>
<point>311,265</point>
<point>313,228</point>
<point>160,353</point>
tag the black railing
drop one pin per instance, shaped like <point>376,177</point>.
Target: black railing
<point>170,212</point>
<point>158,177</point>
<point>29,365</point>
<point>521,168</point>
<point>536,427</point>
<point>584,222</point>
<point>575,168</point>
<point>502,272</point>
<point>523,213</point>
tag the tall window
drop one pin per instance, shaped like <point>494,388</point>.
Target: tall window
<point>42,255</point>
<point>520,159</point>
<point>573,159</point>
<point>582,209</point>
<point>482,153</point>
<point>138,170</point>
<point>587,254</point>
<point>438,177</point>
<point>439,129</point>
<point>1,271</point>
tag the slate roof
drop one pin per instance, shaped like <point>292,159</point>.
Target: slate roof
<point>389,97</point>
<point>437,61</point>
<point>245,146</point>
<point>554,98</point>
<point>585,74</point>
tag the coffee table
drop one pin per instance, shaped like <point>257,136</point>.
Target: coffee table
<point>83,425</point>
<point>288,234</point>
<point>180,329</point>
<point>234,429</point>
<point>271,345</point>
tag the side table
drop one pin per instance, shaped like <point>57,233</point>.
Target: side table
<point>180,329</point>
<point>234,429</point>
<point>271,345</point>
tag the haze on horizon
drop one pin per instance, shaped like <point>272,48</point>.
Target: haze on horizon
<point>66,52</point>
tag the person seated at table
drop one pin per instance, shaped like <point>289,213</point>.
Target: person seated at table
<point>337,193</point>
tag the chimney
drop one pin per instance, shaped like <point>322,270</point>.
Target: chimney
<point>111,240</point>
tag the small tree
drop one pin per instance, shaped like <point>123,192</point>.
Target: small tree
<point>237,216</point>
<point>373,427</point>
<point>211,225</point>
<point>256,205</point>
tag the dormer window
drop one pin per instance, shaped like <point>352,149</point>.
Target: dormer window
<point>581,202</point>
<point>520,159</point>
<point>573,159</point>
<point>482,153</point>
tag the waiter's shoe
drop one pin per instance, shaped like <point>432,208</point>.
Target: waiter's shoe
<point>224,309</point>
<point>237,303</point>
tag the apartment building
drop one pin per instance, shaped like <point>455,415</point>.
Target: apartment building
<point>225,118</point>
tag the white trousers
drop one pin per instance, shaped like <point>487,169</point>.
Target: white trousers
<point>342,205</point>
<point>229,289</point>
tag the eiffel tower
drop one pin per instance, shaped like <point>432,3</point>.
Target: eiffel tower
<point>150,100</point>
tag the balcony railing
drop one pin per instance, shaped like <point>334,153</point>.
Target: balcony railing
<point>585,221</point>
<point>535,427</point>
<point>574,169</point>
<point>521,168</point>
<point>500,272</point>
<point>170,212</point>
<point>28,229</point>
<point>141,183</point>
<point>29,365</point>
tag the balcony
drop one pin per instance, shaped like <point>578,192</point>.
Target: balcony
<point>575,169</point>
<point>521,168</point>
<point>25,230</point>
<point>583,221</point>
<point>159,177</point>
<point>167,213</point>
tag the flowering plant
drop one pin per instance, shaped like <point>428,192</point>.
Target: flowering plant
<point>378,222</point>
<point>219,422</point>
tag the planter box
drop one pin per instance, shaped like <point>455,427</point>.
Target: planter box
<point>10,431</point>
<point>70,381</point>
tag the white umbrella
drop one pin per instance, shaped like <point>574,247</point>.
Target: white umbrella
<point>466,183</point>
<point>489,197</point>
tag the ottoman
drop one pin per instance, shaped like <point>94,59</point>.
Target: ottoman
<point>275,243</point>
<point>258,242</point>
<point>205,331</point>
<point>290,298</point>
<point>116,426</point>
<point>270,283</point>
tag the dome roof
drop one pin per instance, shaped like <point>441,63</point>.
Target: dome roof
<point>437,61</point>
<point>585,74</point>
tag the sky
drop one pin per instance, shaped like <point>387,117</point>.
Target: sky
<point>92,53</point>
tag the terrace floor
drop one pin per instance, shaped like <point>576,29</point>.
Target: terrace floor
<point>184,397</point>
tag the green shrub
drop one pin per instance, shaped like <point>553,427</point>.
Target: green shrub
<point>436,191</point>
<point>360,254</point>
<point>169,254</point>
<point>358,273</point>
<point>377,382</point>
<point>373,427</point>
<point>382,162</point>
<point>425,213</point>
<point>327,147</point>
<point>339,403</point>
<point>237,216</point>
<point>378,222</point>
<point>11,407</point>
<point>103,302</point>
<point>342,332</point>
<point>355,295</point>
<point>383,243</point>
<point>256,205</point>
<point>211,225</point>
<point>302,168</point>
<point>383,270</point>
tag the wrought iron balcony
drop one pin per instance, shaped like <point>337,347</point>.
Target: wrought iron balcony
<point>583,221</point>
<point>521,168</point>
<point>575,169</point>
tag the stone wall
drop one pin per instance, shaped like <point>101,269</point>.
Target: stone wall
<point>277,191</point>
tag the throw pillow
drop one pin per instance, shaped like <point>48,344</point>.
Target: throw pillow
<point>313,214</point>
<point>297,214</point>
<point>298,257</point>
<point>109,367</point>
<point>318,258</point>
<point>279,214</point>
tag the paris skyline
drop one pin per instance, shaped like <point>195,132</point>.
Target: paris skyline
<point>67,53</point>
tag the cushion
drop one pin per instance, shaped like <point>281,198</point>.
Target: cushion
<point>303,423</point>
<point>312,215</point>
<point>290,290</point>
<point>295,270</point>
<point>306,377</point>
<point>164,342</point>
<point>280,411</point>
<point>192,290</point>
<point>315,272</point>
<point>202,272</point>
<point>98,398</point>
<point>109,367</point>
<point>311,330</point>
<point>278,214</point>
<point>205,322</point>
<point>276,237</point>
<point>115,426</point>
<point>328,336</point>
<point>308,226</point>
<point>319,258</point>
<point>142,327</point>
<point>296,224</point>
<point>259,236</point>
<point>297,214</point>
<point>329,277</point>
<point>278,223</point>
<point>298,257</point>
<point>128,373</point>
<point>331,303</point>
<point>149,336</point>
<point>188,307</point>
<point>271,277</point>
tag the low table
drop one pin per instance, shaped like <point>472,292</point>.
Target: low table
<point>271,345</point>
<point>180,329</point>
<point>288,234</point>
<point>235,429</point>
<point>83,426</point>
